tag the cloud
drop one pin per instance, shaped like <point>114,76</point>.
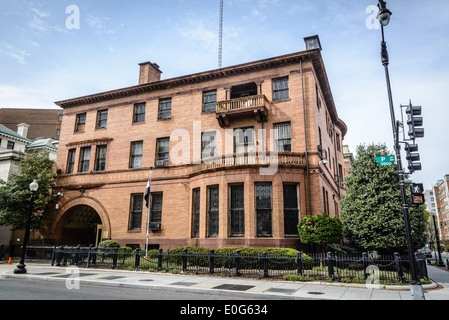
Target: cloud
<point>17,54</point>
<point>100,24</point>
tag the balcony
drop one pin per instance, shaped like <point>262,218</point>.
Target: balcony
<point>254,159</point>
<point>256,106</point>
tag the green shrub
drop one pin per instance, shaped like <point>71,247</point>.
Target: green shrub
<point>109,244</point>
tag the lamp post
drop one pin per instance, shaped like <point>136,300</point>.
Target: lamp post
<point>21,266</point>
<point>416,290</point>
<point>437,236</point>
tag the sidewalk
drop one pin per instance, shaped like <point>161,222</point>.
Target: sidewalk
<point>254,289</point>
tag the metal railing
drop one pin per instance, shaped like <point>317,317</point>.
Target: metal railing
<point>242,103</point>
<point>325,267</point>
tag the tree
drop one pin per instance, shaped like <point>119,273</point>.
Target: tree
<point>15,195</point>
<point>371,210</point>
<point>321,230</point>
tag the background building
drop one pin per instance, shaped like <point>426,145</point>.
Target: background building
<point>42,122</point>
<point>441,189</point>
<point>239,155</point>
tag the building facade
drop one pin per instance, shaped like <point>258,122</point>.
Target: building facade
<point>43,122</point>
<point>236,157</point>
<point>441,192</point>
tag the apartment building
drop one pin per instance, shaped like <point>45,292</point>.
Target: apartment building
<point>236,157</point>
<point>441,192</point>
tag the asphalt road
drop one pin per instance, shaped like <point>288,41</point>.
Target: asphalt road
<point>12,289</point>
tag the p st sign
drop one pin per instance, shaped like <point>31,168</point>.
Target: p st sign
<point>386,160</point>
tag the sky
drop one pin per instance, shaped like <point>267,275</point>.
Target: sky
<point>54,50</point>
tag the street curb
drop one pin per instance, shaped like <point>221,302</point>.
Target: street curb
<point>216,292</point>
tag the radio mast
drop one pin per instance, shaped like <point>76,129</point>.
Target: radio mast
<point>220,44</point>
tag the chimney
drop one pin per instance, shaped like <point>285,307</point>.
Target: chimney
<point>22,130</point>
<point>313,42</point>
<point>149,72</point>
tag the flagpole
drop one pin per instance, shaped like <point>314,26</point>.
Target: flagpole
<point>148,214</point>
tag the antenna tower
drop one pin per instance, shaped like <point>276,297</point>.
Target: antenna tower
<point>220,45</point>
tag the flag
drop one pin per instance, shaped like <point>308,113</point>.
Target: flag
<point>147,193</point>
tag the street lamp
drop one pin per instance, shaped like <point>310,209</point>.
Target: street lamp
<point>21,266</point>
<point>440,260</point>
<point>416,290</point>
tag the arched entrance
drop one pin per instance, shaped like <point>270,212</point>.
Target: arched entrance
<point>82,225</point>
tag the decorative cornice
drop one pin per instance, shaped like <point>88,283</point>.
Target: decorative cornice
<point>313,55</point>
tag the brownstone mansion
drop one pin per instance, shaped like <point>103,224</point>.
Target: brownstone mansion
<point>237,155</point>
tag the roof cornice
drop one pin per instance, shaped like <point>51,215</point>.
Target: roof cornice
<point>314,55</point>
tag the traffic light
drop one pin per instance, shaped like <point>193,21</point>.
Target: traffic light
<point>412,157</point>
<point>414,122</point>
<point>417,190</point>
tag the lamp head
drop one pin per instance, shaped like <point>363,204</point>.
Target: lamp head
<point>34,186</point>
<point>384,14</point>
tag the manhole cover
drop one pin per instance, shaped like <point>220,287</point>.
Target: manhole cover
<point>315,292</point>
<point>146,280</point>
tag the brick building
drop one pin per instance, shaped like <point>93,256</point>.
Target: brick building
<point>239,155</point>
<point>43,122</point>
<point>441,193</point>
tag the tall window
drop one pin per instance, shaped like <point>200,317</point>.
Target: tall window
<point>236,210</point>
<point>244,140</point>
<point>85,159</point>
<point>282,137</point>
<point>80,124</point>
<point>212,211</point>
<point>163,151</point>
<point>139,112</point>
<point>208,144</point>
<point>10,145</point>
<point>291,211</point>
<point>102,119</point>
<point>136,154</point>
<point>280,89</point>
<point>210,101</point>
<point>135,215</point>
<point>196,214</point>
<point>100,158</point>
<point>71,161</point>
<point>263,210</point>
<point>164,109</point>
<point>156,211</point>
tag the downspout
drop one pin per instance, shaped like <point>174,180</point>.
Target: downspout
<point>336,163</point>
<point>309,201</point>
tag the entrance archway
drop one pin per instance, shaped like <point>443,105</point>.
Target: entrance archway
<point>82,226</point>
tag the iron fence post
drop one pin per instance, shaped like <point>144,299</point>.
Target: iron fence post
<point>114,258</point>
<point>299,262</point>
<point>330,265</point>
<point>53,256</point>
<point>89,256</point>
<point>184,260</point>
<point>237,263</point>
<point>137,259</point>
<point>211,261</point>
<point>265,264</point>
<point>159,260</point>
<point>365,265</point>
<point>398,267</point>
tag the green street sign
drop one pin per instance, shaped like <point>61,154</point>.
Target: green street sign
<point>385,160</point>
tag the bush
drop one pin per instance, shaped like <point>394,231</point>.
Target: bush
<point>109,244</point>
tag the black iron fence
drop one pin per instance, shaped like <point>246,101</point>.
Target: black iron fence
<point>388,269</point>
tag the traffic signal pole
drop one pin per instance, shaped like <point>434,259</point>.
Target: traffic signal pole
<point>416,289</point>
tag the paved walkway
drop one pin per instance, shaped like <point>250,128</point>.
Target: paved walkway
<point>255,289</point>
